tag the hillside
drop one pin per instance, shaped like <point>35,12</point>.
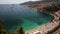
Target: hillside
<point>38,2</point>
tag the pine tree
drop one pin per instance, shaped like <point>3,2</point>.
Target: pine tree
<point>21,30</point>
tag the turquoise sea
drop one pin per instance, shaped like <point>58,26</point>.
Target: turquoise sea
<point>16,15</point>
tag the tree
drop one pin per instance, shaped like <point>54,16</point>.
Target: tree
<point>0,25</point>
<point>2,30</point>
<point>21,30</point>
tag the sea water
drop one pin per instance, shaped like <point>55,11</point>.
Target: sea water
<point>16,15</point>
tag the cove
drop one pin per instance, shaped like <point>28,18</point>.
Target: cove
<point>17,15</point>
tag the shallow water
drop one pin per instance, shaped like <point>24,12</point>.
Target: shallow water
<point>15,16</point>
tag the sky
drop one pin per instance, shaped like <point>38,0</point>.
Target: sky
<point>14,1</point>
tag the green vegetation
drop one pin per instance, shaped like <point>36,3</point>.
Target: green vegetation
<point>54,7</point>
<point>0,26</point>
<point>21,31</point>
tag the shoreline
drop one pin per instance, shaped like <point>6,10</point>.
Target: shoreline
<point>37,28</point>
